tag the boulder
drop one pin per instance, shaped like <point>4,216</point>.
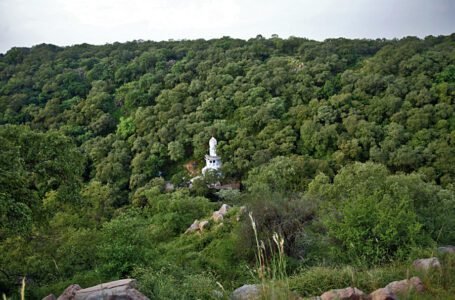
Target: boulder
<point>133,294</point>
<point>446,249</point>
<point>247,292</point>
<point>382,294</point>
<point>344,294</point>
<point>406,285</point>
<point>242,211</point>
<point>50,297</point>
<point>197,226</point>
<point>218,215</point>
<point>203,224</point>
<point>259,292</point>
<point>426,264</point>
<point>193,227</point>
<point>119,289</point>
<point>169,187</point>
<point>224,209</point>
<point>69,292</point>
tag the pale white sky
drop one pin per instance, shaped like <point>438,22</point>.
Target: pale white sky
<point>67,22</point>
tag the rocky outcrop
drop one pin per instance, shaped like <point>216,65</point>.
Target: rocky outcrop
<point>382,294</point>
<point>406,285</point>
<point>193,227</point>
<point>389,292</point>
<point>218,215</point>
<point>69,292</point>
<point>197,226</point>
<point>348,293</point>
<point>247,292</point>
<point>124,289</point>
<point>426,264</point>
<point>446,250</point>
<point>50,297</point>
<point>268,291</point>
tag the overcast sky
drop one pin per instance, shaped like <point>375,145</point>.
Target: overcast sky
<point>67,22</point>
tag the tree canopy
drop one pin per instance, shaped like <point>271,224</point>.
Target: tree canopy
<point>343,145</point>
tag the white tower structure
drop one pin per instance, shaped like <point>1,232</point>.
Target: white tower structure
<point>212,161</point>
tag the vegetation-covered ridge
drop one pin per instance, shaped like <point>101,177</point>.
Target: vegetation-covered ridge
<point>345,148</point>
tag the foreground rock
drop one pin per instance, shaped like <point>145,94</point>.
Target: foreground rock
<point>446,249</point>
<point>124,289</point>
<point>247,292</point>
<point>405,286</point>
<point>50,297</point>
<point>427,264</point>
<point>348,293</point>
<point>260,292</point>
<point>382,294</point>
<point>70,292</point>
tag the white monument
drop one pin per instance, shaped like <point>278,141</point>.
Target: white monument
<point>212,161</point>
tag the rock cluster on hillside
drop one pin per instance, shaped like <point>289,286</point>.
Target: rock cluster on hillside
<point>124,289</point>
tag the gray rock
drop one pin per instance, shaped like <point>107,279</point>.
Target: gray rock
<point>382,294</point>
<point>119,290</point>
<point>202,225</point>
<point>193,227</point>
<point>218,215</point>
<point>224,209</point>
<point>348,293</point>
<point>426,264</point>
<point>406,285</point>
<point>247,292</point>
<point>446,249</point>
<point>50,297</point>
<point>197,226</point>
<point>69,292</point>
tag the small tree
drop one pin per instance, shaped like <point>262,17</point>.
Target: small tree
<point>369,215</point>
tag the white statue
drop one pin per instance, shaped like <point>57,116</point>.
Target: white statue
<point>212,148</point>
<point>212,161</point>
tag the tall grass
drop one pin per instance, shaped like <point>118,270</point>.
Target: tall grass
<point>271,268</point>
<point>23,289</point>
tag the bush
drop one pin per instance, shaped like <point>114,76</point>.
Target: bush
<point>369,215</point>
<point>124,244</point>
<point>273,212</point>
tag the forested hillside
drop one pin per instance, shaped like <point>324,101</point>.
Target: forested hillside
<point>345,148</point>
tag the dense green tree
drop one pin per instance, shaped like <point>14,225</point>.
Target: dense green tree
<point>90,135</point>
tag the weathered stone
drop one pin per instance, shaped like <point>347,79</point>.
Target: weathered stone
<point>426,264</point>
<point>50,297</point>
<point>344,294</point>
<point>247,292</point>
<point>406,285</point>
<point>69,292</point>
<point>224,209</point>
<point>258,291</point>
<point>120,289</point>
<point>203,224</point>
<point>382,294</point>
<point>169,187</point>
<point>218,215</point>
<point>241,212</point>
<point>193,227</point>
<point>133,294</point>
<point>446,249</point>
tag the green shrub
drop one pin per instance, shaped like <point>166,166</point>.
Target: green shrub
<point>124,244</point>
<point>371,216</point>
